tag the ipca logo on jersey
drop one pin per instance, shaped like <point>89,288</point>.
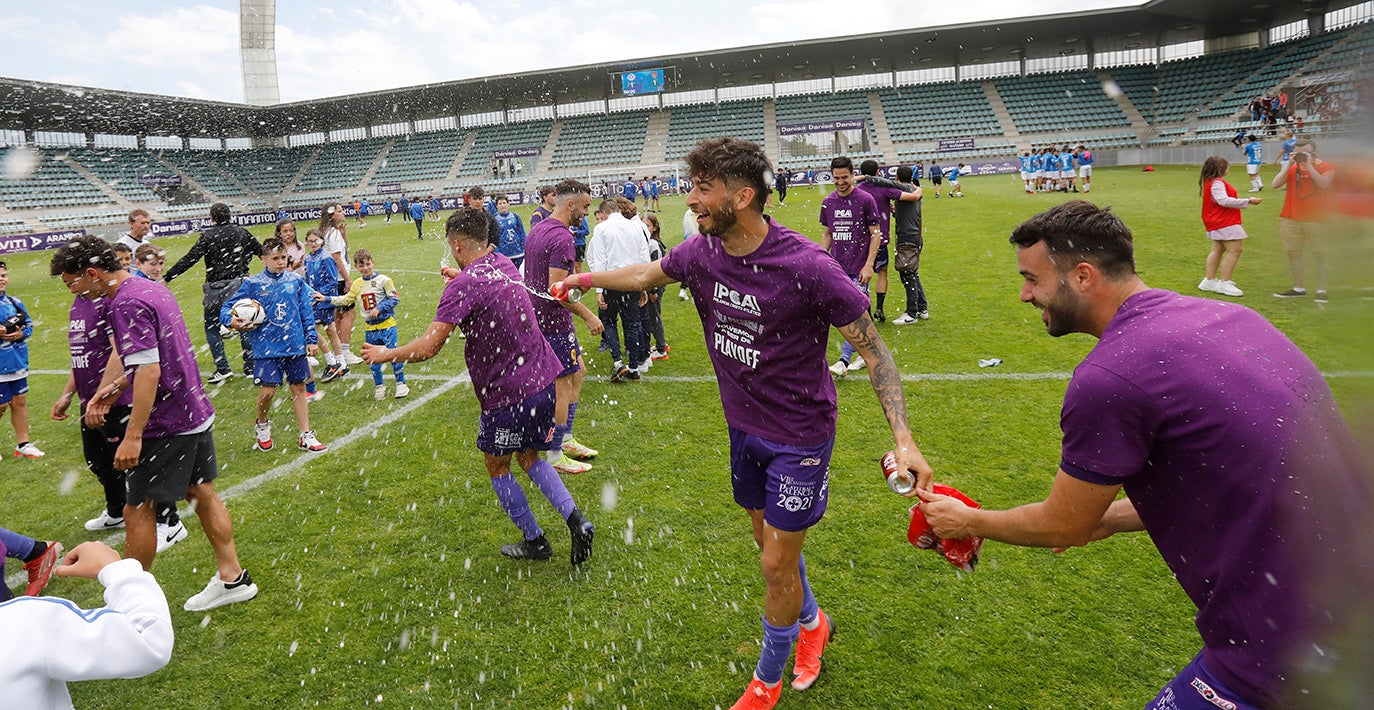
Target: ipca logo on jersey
<point>742,301</point>
<point>843,213</point>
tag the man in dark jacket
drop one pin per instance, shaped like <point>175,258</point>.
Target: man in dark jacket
<point>228,250</point>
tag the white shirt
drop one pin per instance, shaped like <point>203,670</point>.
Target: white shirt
<point>48,642</point>
<point>334,244</point>
<point>134,244</point>
<point>617,242</point>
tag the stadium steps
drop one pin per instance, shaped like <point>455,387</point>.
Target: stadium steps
<point>881,134</point>
<point>290,187</point>
<point>770,131</point>
<point>999,107</point>
<point>1142,128</point>
<point>542,166</point>
<point>219,170</point>
<point>92,178</point>
<point>462,156</point>
<point>656,138</point>
<point>189,180</point>
<point>376,165</point>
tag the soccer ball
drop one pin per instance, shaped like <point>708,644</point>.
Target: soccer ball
<point>249,311</point>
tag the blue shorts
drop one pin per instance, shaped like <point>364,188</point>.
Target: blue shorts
<point>13,388</point>
<point>881,258</point>
<point>526,425</point>
<point>1195,688</point>
<point>324,316</point>
<point>269,371</point>
<point>568,350</point>
<point>788,483</point>
<point>382,336</point>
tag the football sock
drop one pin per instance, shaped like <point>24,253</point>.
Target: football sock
<point>572,416</point>
<point>882,296</point>
<point>512,499</point>
<point>310,387</point>
<point>329,358</point>
<point>39,547</point>
<point>777,646</point>
<point>810,611</point>
<point>551,485</point>
<point>18,546</point>
<point>561,434</point>
<point>398,370</point>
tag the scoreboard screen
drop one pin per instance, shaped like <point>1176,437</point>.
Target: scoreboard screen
<point>644,81</point>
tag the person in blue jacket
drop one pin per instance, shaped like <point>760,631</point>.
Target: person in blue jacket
<point>322,273</point>
<point>628,189</point>
<point>281,342</point>
<point>512,232</point>
<point>417,215</point>
<point>15,329</point>
<point>580,232</point>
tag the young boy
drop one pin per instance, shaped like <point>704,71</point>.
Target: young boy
<point>15,329</point>
<point>513,370</point>
<point>323,275</point>
<point>281,343</point>
<point>151,261</point>
<point>377,299</point>
<point>512,232</point>
<point>125,254</point>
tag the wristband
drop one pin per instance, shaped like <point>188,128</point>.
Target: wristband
<point>582,280</point>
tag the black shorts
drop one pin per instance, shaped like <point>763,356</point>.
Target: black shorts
<point>880,261</point>
<point>343,288</point>
<point>580,252</point>
<point>936,180</point>
<point>170,466</point>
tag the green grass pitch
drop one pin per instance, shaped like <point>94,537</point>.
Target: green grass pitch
<point>381,583</point>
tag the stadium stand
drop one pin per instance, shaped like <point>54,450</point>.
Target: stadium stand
<point>120,169</point>
<point>341,165</point>
<point>493,138</point>
<point>690,124</point>
<point>422,156</point>
<point>13,225</point>
<point>266,171</point>
<point>1066,102</point>
<point>201,167</point>
<point>590,141</point>
<point>53,183</point>
<point>932,111</point>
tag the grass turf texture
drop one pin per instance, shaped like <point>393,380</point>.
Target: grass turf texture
<point>381,583</point>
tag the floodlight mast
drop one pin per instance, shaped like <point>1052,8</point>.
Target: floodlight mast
<point>258,46</point>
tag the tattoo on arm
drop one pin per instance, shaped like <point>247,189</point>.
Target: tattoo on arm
<point>882,370</point>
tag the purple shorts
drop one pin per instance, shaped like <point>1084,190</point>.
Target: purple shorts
<point>788,483</point>
<point>524,426</point>
<point>1195,688</point>
<point>568,350</point>
<point>270,371</point>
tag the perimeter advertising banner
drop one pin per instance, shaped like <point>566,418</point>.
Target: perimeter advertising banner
<point>526,152</point>
<point>38,242</point>
<point>839,124</point>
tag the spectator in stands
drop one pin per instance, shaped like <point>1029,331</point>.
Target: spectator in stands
<point>1306,202</point>
<point>228,250</point>
<point>140,224</point>
<point>1221,218</point>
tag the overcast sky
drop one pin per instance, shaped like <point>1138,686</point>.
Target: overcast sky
<point>348,46</point>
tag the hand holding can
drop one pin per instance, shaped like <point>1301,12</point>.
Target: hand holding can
<point>900,481</point>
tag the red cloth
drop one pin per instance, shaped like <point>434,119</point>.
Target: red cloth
<point>1303,200</point>
<point>1214,216</point>
<point>962,553</point>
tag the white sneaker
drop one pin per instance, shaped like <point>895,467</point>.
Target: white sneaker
<point>643,368</point>
<point>857,363</point>
<point>681,295</point>
<point>262,436</point>
<point>379,394</point>
<point>317,396</point>
<point>309,442</point>
<point>904,319</point>
<point>566,464</point>
<point>923,315</point>
<point>314,361</point>
<point>1227,288</point>
<point>402,390</point>
<point>28,451</point>
<point>350,359</point>
<point>168,535</point>
<point>838,370</point>
<point>1208,284</point>
<point>104,522</point>
<point>218,593</point>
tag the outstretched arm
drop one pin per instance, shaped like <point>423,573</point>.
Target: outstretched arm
<point>635,277</point>
<point>422,348</point>
<point>1075,513</point>
<point>887,385</point>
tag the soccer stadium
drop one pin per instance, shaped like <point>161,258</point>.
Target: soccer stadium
<point>379,556</point>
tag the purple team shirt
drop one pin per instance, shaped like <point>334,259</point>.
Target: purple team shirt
<point>882,199</point>
<point>849,218</point>
<point>507,356</point>
<point>145,316</point>
<point>88,336</point>
<point>766,317</point>
<point>1229,444</point>
<point>549,246</point>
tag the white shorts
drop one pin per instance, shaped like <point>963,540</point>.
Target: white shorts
<point>1227,234</point>
<point>1085,171</point>
<point>1251,169</point>
<point>1025,176</point>
<point>954,182</point>
<point>1067,174</point>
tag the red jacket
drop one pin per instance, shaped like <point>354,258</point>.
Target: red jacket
<point>1214,216</point>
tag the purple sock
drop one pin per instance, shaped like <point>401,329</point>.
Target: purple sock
<point>809,609</point>
<point>777,646</point>
<point>561,432</point>
<point>15,545</point>
<point>572,415</point>
<point>551,485</point>
<point>512,499</point>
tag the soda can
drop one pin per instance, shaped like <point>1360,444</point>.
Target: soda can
<point>900,481</point>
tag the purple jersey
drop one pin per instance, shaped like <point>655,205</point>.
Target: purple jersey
<point>766,317</point>
<point>1229,444</point>
<point>549,245</point>
<point>848,218</point>
<point>882,198</point>
<point>507,356</point>
<point>146,318</point>
<point>88,336</point>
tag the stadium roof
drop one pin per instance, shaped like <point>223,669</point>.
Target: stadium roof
<point>29,105</point>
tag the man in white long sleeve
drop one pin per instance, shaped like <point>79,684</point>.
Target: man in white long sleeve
<point>48,641</point>
<point>618,242</point>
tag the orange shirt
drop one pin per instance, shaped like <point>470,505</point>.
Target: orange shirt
<point>1303,200</point>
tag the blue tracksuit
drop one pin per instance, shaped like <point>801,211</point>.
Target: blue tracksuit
<point>290,306</point>
<point>14,356</point>
<point>512,236</point>
<point>322,274</point>
<point>629,190</point>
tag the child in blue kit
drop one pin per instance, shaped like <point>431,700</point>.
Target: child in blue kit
<point>377,299</point>
<point>281,342</point>
<point>323,275</point>
<point>15,329</point>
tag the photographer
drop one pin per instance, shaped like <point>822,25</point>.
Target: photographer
<point>1307,182</point>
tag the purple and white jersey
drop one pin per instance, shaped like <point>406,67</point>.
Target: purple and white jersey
<point>1229,444</point>
<point>88,337</point>
<point>148,327</point>
<point>507,356</point>
<point>849,218</point>
<point>549,245</point>
<point>766,318</point>
<point>883,198</point>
